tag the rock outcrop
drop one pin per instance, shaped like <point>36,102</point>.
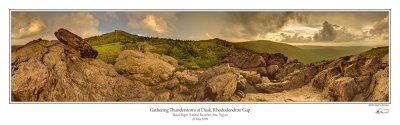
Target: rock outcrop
<point>80,46</point>
<point>353,78</point>
<point>275,59</point>
<point>46,70</point>
<point>221,83</point>
<point>143,67</point>
<point>66,70</point>
<point>245,60</point>
<point>379,87</point>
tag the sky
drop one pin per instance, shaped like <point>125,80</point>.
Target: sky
<point>324,28</point>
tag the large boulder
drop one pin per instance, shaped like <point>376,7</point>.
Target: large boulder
<point>272,70</point>
<point>245,60</point>
<point>294,80</point>
<point>379,87</point>
<point>143,67</point>
<point>287,69</point>
<point>352,78</point>
<point>385,61</point>
<point>45,70</point>
<point>342,89</point>
<point>274,59</point>
<point>76,42</point>
<point>322,78</point>
<point>221,83</point>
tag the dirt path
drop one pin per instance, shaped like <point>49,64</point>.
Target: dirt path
<point>304,94</point>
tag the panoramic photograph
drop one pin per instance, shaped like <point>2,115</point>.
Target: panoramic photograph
<point>199,56</point>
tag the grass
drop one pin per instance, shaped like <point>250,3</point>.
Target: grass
<point>378,51</point>
<point>207,53</point>
<point>15,47</point>
<point>190,54</point>
<point>109,52</point>
<point>305,54</point>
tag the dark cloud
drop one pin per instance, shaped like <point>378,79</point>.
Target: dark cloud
<point>295,38</point>
<point>327,33</point>
<point>235,26</point>
<point>381,27</point>
<point>246,25</point>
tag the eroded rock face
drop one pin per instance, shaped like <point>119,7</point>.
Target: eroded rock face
<point>294,80</point>
<point>221,83</point>
<point>287,69</point>
<point>47,71</point>
<point>275,59</point>
<point>143,67</point>
<point>245,60</point>
<point>341,89</point>
<point>351,78</point>
<point>380,89</point>
<point>322,78</point>
<point>83,48</point>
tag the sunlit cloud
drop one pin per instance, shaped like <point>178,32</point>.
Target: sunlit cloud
<point>157,22</point>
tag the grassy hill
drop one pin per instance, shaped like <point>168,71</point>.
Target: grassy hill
<point>206,53</point>
<point>305,54</point>
<point>378,51</point>
<point>191,54</point>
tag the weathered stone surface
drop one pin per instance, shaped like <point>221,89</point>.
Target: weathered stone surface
<point>76,42</point>
<point>385,61</point>
<point>294,80</point>
<point>260,70</point>
<point>165,58</point>
<point>245,60</point>
<point>187,77</point>
<point>371,65</point>
<point>221,83</point>
<point>288,68</point>
<point>274,59</point>
<point>271,70</point>
<point>342,90</point>
<point>380,86</point>
<point>46,71</point>
<point>322,78</point>
<point>143,67</point>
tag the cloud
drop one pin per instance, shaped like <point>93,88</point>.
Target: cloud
<point>295,38</point>
<point>83,24</point>
<point>24,25</point>
<point>246,25</point>
<point>27,26</point>
<point>159,22</point>
<point>381,27</point>
<point>327,33</point>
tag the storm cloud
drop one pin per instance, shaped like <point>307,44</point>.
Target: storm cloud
<point>246,25</point>
<point>234,26</point>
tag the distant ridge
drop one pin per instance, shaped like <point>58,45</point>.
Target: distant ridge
<point>206,53</point>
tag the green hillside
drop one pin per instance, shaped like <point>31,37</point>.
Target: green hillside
<point>191,54</point>
<point>206,53</point>
<point>378,51</point>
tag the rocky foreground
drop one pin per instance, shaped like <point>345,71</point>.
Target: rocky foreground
<point>67,70</point>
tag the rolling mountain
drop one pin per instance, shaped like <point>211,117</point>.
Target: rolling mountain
<point>191,54</point>
<point>378,51</point>
<point>305,54</point>
<point>206,53</point>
